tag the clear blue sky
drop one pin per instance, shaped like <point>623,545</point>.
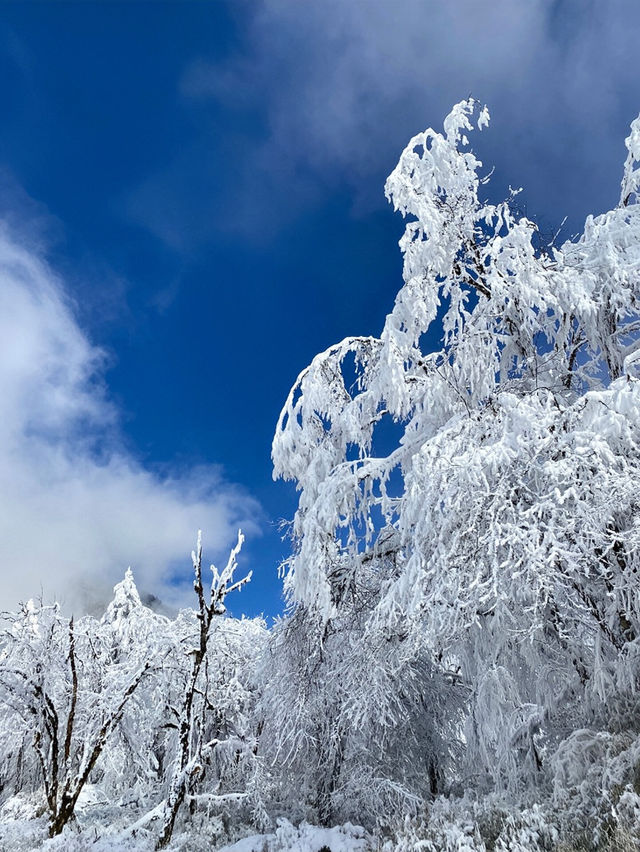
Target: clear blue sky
<point>205,182</point>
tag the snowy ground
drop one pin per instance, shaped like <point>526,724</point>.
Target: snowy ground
<point>23,828</point>
<point>29,835</point>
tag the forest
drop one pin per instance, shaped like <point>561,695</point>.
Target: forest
<point>458,665</point>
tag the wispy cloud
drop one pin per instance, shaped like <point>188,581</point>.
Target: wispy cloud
<point>342,86</point>
<point>76,507</point>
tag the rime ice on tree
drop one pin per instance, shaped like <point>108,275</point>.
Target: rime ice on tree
<point>507,561</point>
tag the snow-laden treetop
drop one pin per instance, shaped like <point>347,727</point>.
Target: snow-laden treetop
<point>516,317</point>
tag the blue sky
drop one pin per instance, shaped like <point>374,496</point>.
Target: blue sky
<point>192,198</point>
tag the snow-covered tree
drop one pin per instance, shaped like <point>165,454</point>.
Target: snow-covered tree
<point>203,726</point>
<point>460,664</point>
<point>497,539</point>
<point>64,695</point>
<point>151,712</point>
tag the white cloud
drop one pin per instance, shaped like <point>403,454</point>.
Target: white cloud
<point>338,77</point>
<point>75,507</point>
<point>343,85</point>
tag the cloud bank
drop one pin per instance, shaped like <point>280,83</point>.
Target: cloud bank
<point>76,507</point>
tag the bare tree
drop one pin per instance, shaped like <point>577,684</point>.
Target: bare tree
<point>191,746</point>
<point>63,692</point>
